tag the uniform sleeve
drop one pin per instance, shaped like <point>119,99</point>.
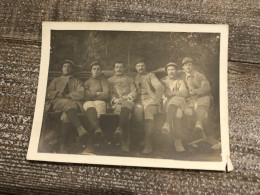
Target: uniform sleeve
<point>133,94</point>
<point>51,90</point>
<point>183,91</point>
<point>113,95</point>
<point>204,88</point>
<point>78,94</point>
<point>88,95</point>
<point>105,91</point>
<point>167,92</point>
<point>159,89</point>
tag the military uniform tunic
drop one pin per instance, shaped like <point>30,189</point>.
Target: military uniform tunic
<point>150,91</point>
<point>122,87</point>
<point>93,85</point>
<point>175,92</point>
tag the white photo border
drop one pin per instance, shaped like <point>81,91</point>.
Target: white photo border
<point>33,154</point>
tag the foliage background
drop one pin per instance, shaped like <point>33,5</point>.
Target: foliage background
<point>158,48</point>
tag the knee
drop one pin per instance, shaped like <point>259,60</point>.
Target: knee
<point>100,104</point>
<point>138,113</point>
<point>101,107</point>
<point>64,118</point>
<point>188,111</point>
<point>88,104</point>
<point>149,112</point>
<point>70,105</point>
<point>128,105</point>
<point>179,113</point>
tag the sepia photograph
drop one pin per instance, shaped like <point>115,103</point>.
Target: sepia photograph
<point>133,94</point>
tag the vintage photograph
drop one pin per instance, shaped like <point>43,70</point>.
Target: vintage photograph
<point>132,94</point>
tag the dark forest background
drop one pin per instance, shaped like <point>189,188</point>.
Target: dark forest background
<point>158,48</point>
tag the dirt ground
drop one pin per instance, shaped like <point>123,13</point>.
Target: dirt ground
<point>163,144</point>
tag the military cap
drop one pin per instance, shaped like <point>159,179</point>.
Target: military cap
<point>69,62</point>
<point>139,59</point>
<point>171,64</point>
<point>96,62</point>
<point>186,60</point>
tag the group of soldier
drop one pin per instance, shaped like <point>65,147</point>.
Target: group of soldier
<point>140,96</point>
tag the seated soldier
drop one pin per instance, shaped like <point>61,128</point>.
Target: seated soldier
<point>63,95</point>
<point>174,102</point>
<point>96,95</point>
<point>199,98</point>
<point>123,93</point>
<point>150,91</point>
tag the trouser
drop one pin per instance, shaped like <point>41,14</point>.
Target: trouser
<point>69,109</point>
<point>99,105</point>
<point>124,117</point>
<point>147,113</point>
<point>149,132</point>
<point>93,117</point>
<point>174,121</point>
<point>65,137</point>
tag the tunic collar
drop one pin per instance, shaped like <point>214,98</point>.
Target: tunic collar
<point>188,75</point>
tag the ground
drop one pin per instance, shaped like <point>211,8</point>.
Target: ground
<point>163,144</point>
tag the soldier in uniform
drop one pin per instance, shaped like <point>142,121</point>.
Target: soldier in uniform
<point>123,94</point>
<point>174,102</point>
<point>199,98</point>
<point>96,96</point>
<point>150,91</point>
<point>63,95</point>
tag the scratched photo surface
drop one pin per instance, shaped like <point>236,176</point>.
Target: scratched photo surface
<point>141,94</point>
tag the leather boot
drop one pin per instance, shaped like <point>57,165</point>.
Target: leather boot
<point>94,122</point>
<point>149,130</point>
<point>125,138</point>
<point>178,145</point>
<point>63,137</point>
<point>118,135</point>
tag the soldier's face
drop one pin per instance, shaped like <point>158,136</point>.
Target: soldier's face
<point>171,71</point>
<point>188,67</point>
<point>140,67</point>
<point>96,71</point>
<point>67,69</point>
<point>119,69</point>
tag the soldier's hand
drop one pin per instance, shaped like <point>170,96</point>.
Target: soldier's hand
<point>117,100</point>
<point>168,93</point>
<point>156,101</point>
<point>98,93</point>
<point>192,91</point>
<point>130,99</point>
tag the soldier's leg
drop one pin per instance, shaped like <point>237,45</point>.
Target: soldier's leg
<point>123,119</point>
<point>215,144</point>
<point>138,123</point>
<point>200,116</point>
<point>92,115</point>
<point>203,104</point>
<point>170,115</point>
<point>71,112</point>
<point>149,112</point>
<point>125,138</point>
<point>69,109</point>
<point>100,107</point>
<point>63,137</point>
<point>125,112</point>
<point>177,131</point>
